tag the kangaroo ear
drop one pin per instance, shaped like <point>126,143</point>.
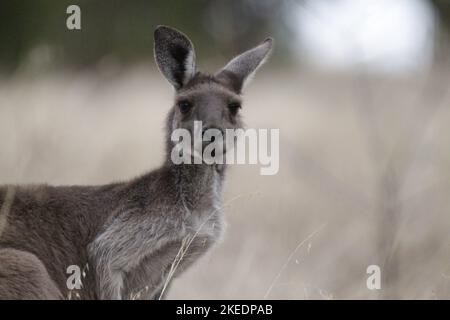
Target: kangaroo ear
<point>240,70</point>
<point>174,55</point>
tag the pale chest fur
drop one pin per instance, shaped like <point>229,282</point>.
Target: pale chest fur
<point>200,229</point>
<point>142,258</point>
<point>207,219</point>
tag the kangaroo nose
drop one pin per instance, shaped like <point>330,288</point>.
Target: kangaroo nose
<point>205,128</point>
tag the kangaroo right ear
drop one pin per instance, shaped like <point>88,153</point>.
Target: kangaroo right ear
<point>174,55</point>
<point>242,68</point>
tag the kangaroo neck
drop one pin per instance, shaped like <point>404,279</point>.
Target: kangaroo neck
<point>197,183</point>
<point>198,176</point>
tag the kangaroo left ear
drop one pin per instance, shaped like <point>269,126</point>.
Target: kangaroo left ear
<point>174,55</point>
<point>241,69</point>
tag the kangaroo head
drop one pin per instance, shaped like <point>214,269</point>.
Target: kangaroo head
<point>213,99</point>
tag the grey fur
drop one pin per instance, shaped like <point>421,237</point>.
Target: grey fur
<point>128,234</point>
<point>244,66</point>
<point>175,56</point>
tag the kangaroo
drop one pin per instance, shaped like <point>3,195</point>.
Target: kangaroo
<point>129,238</point>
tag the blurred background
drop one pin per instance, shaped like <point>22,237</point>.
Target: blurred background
<point>359,91</point>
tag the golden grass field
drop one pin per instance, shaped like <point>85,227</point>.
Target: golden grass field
<point>364,175</point>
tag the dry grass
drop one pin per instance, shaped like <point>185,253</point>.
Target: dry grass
<point>366,157</point>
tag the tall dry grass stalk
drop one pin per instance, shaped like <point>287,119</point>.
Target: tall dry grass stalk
<point>6,207</point>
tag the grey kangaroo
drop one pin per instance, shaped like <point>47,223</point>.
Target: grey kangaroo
<point>130,238</point>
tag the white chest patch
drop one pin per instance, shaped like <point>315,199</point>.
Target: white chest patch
<point>209,223</point>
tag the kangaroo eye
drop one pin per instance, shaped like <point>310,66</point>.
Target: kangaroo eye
<point>234,108</point>
<point>185,106</point>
